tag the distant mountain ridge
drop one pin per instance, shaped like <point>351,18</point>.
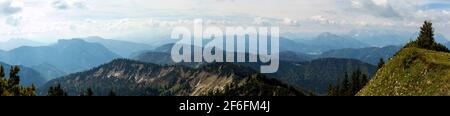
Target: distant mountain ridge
<point>162,55</point>
<point>370,55</point>
<point>321,43</point>
<point>18,42</point>
<point>324,42</point>
<point>328,41</point>
<point>66,55</point>
<point>382,38</point>
<point>122,48</point>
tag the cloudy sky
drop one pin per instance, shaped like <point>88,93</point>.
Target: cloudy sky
<point>54,19</point>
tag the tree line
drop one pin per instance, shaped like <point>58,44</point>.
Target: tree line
<point>59,91</point>
<point>349,86</point>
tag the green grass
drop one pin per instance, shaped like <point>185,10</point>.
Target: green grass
<point>412,72</point>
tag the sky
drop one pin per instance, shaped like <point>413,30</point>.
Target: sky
<point>46,20</point>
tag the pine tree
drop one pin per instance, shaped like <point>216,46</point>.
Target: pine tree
<point>56,91</point>
<point>2,81</point>
<point>89,92</point>
<point>426,39</point>
<point>349,87</point>
<point>345,87</point>
<point>337,90</point>
<point>355,83</point>
<point>364,81</point>
<point>30,91</point>
<point>426,36</point>
<point>2,72</point>
<point>111,93</point>
<point>14,78</point>
<point>330,90</point>
<point>380,64</point>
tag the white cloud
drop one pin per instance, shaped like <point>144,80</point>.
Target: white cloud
<point>323,20</point>
<point>290,22</point>
<point>10,7</point>
<point>380,2</point>
<point>362,23</point>
<point>261,21</point>
<point>68,4</point>
<point>39,18</point>
<point>379,8</point>
<point>446,12</point>
<point>318,18</point>
<point>14,20</point>
<point>11,10</point>
<point>356,4</point>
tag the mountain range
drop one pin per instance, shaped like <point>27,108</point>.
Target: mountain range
<point>370,55</point>
<point>323,42</point>
<point>18,42</point>
<point>303,71</point>
<point>161,55</point>
<point>364,38</point>
<point>298,70</point>
<point>306,66</point>
<point>382,38</point>
<point>134,78</point>
<point>122,48</point>
<point>64,57</point>
<point>328,41</point>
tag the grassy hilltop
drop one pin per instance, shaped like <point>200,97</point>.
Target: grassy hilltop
<point>421,68</point>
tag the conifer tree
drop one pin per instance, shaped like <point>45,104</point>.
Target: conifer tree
<point>426,39</point>
<point>111,93</point>
<point>89,92</point>
<point>56,91</point>
<point>380,63</point>
<point>14,78</point>
<point>2,72</point>
<point>348,87</point>
<point>426,36</point>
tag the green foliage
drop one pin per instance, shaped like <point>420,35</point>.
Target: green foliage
<point>349,87</point>
<point>56,91</point>
<point>426,39</point>
<point>14,78</point>
<point>11,87</point>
